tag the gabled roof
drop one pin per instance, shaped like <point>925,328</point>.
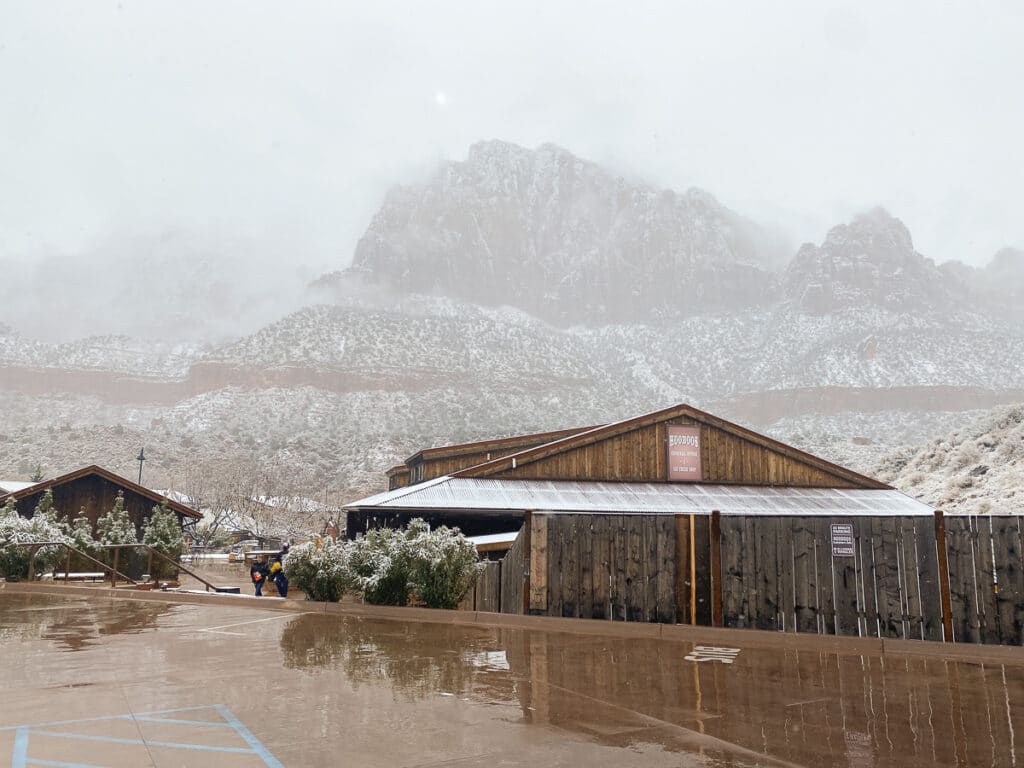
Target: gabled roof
<point>597,434</point>
<point>482,446</point>
<point>500,496</point>
<point>106,474</point>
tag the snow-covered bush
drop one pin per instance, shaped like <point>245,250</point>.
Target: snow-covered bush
<point>116,527</point>
<point>319,568</point>
<point>443,566</point>
<point>163,533</point>
<point>15,530</point>
<point>389,564</point>
<point>379,564</point>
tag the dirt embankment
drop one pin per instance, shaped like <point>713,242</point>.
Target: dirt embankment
<point>754,408</point>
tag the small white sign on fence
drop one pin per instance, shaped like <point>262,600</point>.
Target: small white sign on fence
<point>842,539</point>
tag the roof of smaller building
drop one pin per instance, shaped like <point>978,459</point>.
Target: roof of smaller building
<point>93,469</point>
<point>13,486</point>
<point>501,496</point>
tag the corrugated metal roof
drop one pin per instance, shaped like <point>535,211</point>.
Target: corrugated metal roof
<point>483,494</point>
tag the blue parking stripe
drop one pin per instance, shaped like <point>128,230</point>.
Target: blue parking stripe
<point>144,743</point>
<point>20,754</point>
<point>252,741</point>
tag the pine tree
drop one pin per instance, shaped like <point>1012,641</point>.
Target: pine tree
<point>163,533</point>
<point>81,536</point>
<point>37,475</point>
<point>116,527</point>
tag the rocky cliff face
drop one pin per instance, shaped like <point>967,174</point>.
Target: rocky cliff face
<point>565,240</point>
<point>870,262</point>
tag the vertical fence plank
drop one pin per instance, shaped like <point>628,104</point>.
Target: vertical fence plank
<point>651,565</point>
<point>845,590</point>
<point>804,584</point>
<point>988,612</point>
<point>1010,575</point>
<point>538,569</point>
<point>885,545</point>
<point>929,575</point>
<point>701,568</point>
<point>682,583</point>
<point>911,578</point>
<point>586,544</point>
<point>634,570</point>
<point>825,602</point>
<point>766,610</point>
<point>785,574</point>
<point>732,572</point>
<point>571,566</point>
<point>600,567</point>
<point>618,567</point>
<point>715,546</point>
<point>665,609</point>
<point>866,578</point>
<point>963,603</point>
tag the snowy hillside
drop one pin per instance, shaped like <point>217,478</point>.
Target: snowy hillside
<point>976,469</point>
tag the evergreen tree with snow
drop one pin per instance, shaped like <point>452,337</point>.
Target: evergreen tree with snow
<point>163,533</point>
<point>116,527</point>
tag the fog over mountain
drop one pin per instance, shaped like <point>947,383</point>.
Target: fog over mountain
<point>324,239</point>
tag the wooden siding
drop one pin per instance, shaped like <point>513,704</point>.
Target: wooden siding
<point>772,573</point>
<point>640,456</point>
<point>95,495</point>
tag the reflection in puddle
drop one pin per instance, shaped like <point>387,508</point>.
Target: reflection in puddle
<point>802,707</point>
<point>77,625</point>
<point>415,660</point>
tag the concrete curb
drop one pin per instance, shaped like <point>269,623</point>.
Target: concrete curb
<point>744,638</point>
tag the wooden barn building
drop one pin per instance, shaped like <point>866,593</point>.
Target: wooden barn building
<point>679,516</point>
<point>670,460</point>
<point>92,491</point>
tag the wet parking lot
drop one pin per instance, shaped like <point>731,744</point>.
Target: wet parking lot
<point>115,682</point>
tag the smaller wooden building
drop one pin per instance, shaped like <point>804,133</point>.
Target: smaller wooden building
<point>92,491</point>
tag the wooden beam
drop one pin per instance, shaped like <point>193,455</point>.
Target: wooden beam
<point>539,563</point>
<point>947,604</point>
<point>527,558</point>
<point>715,530</point>
<point>682,589</point>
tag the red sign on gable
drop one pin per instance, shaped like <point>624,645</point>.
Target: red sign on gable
<point>684,453</point>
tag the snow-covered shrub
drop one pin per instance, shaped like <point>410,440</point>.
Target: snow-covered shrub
<point>163,533</point>
<point>390,564</point>
<point>15,530</point>
<point>443,566</point>
<point>319,568</point>
<point>379,564</point>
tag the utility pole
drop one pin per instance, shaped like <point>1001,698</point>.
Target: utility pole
<point>141,458</point>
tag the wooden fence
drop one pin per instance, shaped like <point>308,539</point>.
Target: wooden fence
<point>954,578</point>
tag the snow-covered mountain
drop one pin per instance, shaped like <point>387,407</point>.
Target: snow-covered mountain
<point>528,290</point>
<point>564,239</point>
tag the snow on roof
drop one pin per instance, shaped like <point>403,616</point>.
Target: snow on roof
<point>13,486</point>
<point>494,538</point>
<point>490,495</point>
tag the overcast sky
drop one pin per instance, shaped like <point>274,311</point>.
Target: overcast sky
<point>286,122</point>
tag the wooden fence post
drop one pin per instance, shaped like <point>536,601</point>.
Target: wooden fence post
<point>113,572</point>
<point>947,605</point>
<point>716,568</point>
<point>527,555</point>
<point>67,565</point>
<point>682,589</point>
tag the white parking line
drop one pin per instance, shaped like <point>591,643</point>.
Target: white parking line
<point>219,630</point>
